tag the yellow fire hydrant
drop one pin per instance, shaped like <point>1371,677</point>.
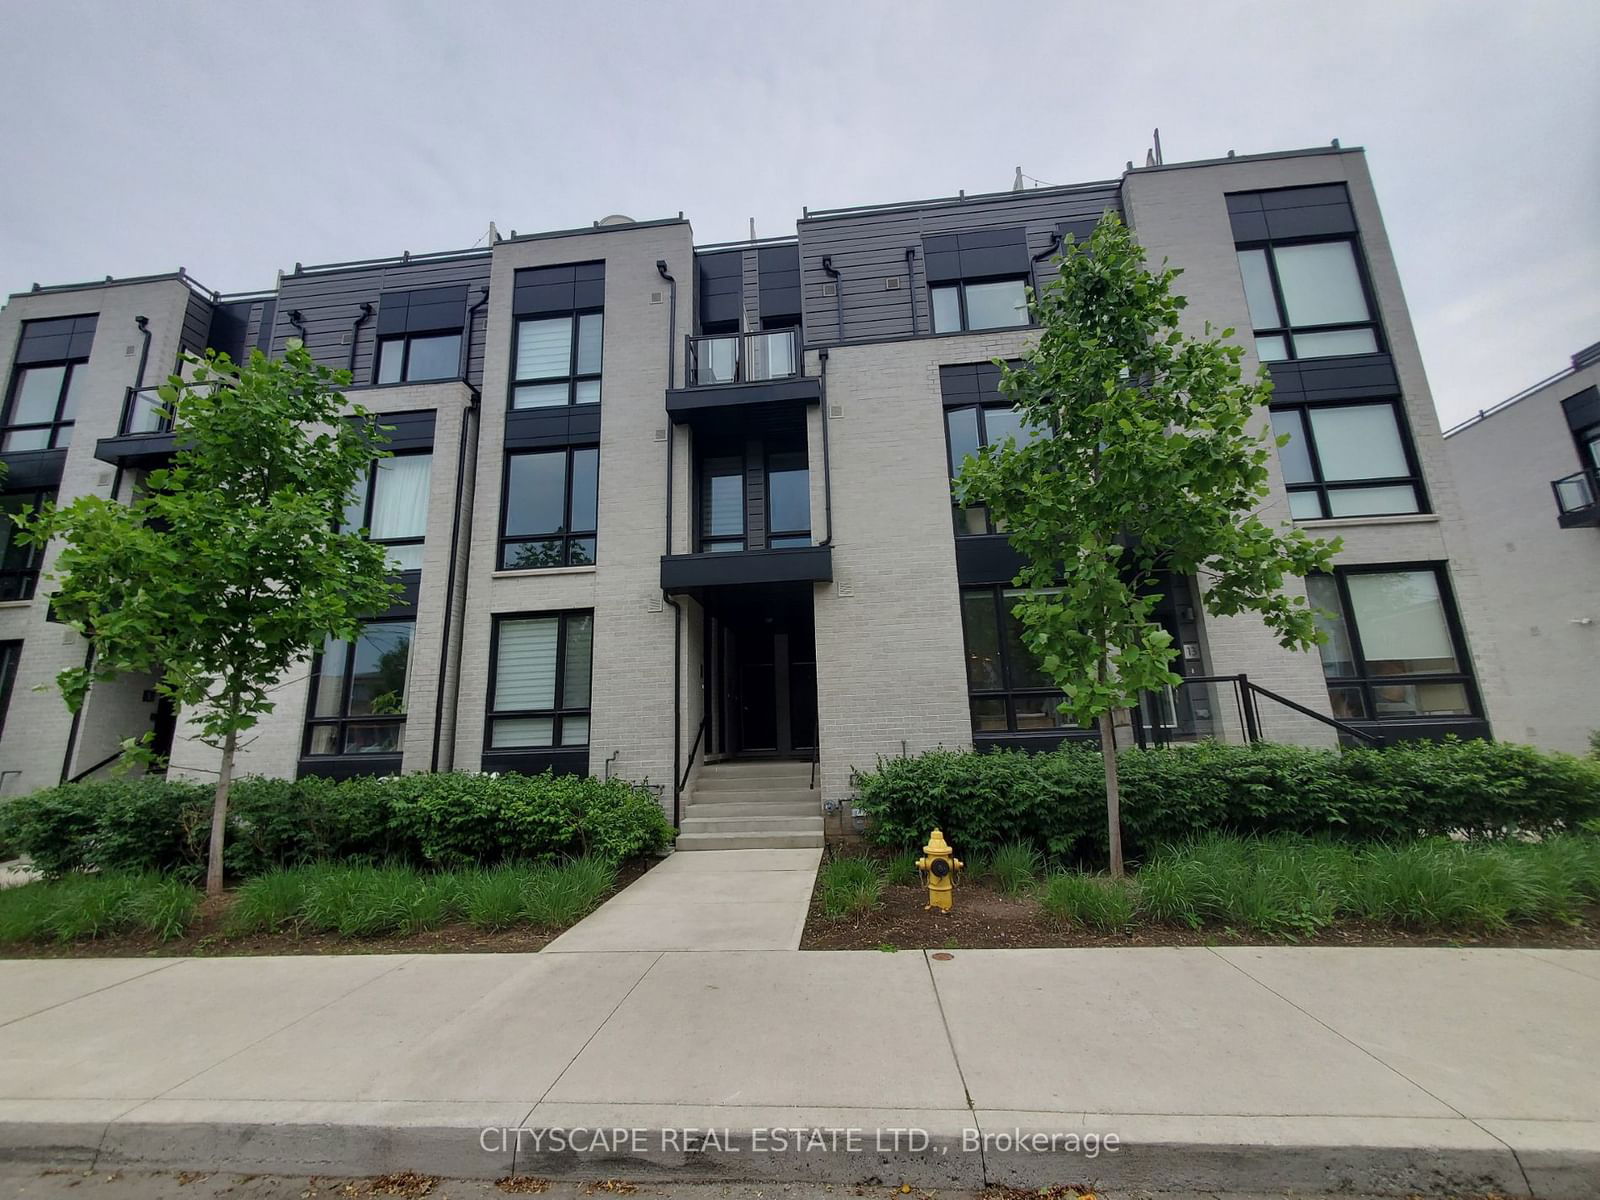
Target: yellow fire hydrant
<point>939,865</point>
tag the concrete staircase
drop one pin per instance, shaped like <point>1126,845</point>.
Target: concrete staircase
<point>752,805</point>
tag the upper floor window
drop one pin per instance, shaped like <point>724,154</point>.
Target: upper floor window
<point>539,690</point>
<point>1394,648</point>
<point>977,425</point>
<point>1347,460</point>
<point>788,500</point>
<point>722,507</point>
<point>391,503</point>
<point>358,692</point>
<point>560,331</point>
<point>1307,301</point>
<point>19,564</point>
<point>47,383</point>
<point>419,335</point>
<point>977,279</point>
<point>550,509</point>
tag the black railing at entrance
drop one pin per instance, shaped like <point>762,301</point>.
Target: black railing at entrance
<point>693,750</point>
<point>1189,711</point>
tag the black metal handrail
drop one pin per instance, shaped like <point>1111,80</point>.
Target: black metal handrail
<point>693,749</point>
<point>1250,714</point>
<point>742,357</point>
<point>104,762</point>
<point>1577,491</point>
<point>144,411</point>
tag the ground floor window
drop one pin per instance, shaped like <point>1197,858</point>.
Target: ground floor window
<point>539,690</point>
<point>1395,649</point>
<point>19,564</point>
<point>10,654</point>
<point>358,692</point>
<point>1008,690</point>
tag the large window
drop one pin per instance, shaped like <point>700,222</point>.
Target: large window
<point>412,358</point>
<point>558,361</point>
<point>982,304</point>
<point>539,693</point>
<point>1394,648</point>
<point>1307,300</point>
<point>788,500</point>
<point>977,278</point>
<point>19,564</point>
<point>358,692</point>
<point>43,407</point>
<point>967,429</point>
<point>1347,460</point>
<point>392,505</point>
<point>10,655</point>
<point>1008,690</point>
<point>550,510</point>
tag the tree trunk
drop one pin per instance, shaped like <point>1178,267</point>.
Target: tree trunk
<point>219,817</point>
<point>1108,753</point>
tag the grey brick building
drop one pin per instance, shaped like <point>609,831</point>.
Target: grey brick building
<point>681,514</point>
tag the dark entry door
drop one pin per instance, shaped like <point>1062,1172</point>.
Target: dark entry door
<point>769,671</point>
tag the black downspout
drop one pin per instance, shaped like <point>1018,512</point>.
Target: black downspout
<point>144,353</point>
<point>911,285</point>
<point>838,297</point>
<point>677,609</point>
<point>355,338</point>
<point>827,471</point>
<point>1033,263</point>
<point>466,333</point>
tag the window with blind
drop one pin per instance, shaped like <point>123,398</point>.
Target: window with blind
<point>391,504</point>
<point>1347,460</point>
<point>539,691</point>
<point>550,509</point>
<point>558,361</point>
<point>1394,647</point>
<point>358,692</point>
<point>1307,300</point>
<point>722,509</point>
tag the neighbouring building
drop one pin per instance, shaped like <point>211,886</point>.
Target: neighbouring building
<point>1530,466</point>
<point>659,505</point>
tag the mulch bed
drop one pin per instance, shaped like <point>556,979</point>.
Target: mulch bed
<point>206,939</point>
<point>983,919</point>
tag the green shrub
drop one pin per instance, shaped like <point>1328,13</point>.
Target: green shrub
<point>451,820</point>
<point>1056,802</point>
<point>1087,900</point>
<point>850,886</point>
<point>1015,867</point>
<point>90,906</point>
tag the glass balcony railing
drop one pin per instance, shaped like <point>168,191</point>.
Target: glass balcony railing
<point>1576,494</point>
<point>743,357</point>
<point>143,411</point>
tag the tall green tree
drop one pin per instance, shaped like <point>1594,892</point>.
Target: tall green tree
<point>1139,462</point>
<point>230,565</point>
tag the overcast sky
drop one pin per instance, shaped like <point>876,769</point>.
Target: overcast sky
<point>235,138</point>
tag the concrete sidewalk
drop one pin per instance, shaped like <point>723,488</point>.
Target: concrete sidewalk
<point>1315,1069</point>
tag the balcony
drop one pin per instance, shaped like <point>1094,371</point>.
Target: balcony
<point>1578,499</point>
<point>144,437</point>
<point>693,573</point>
<point>736,370</point>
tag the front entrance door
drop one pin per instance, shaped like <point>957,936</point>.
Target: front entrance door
<point>766,670</point>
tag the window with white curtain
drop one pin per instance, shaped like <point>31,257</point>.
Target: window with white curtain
<point>1307,300</point>
<point>539,693</point>
<point>558,360</point>
<point>1347,460</point>
<point>1392,648</point>
<point>392,505</point>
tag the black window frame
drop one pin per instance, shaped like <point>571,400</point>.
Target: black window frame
<point>706,542</point>
<point>960,286</point>
<point>573,376</point>
<point>567,535</point>
<point>10,660</point>
<point>956,510</point>
<point>1321,485</point>
<point>1009,691</point>
<point>27,576</point>
<point>346,684</point>
<point>371,495</point>
<point>560,712</point>
<point>1365,682</point>
<point>55,425</point>
<point>1287,331</point>
<point>405,340</point>
<point>774,535</point>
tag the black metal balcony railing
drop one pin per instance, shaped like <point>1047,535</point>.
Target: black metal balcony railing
<point>742,357</point>
<point>1576,495</point>
<point>143,411</point>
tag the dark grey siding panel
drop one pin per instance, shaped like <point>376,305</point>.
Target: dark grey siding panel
<point>868,250</point>
<point>196,325</point>
<point>230,327</point>
<point>329,303</point>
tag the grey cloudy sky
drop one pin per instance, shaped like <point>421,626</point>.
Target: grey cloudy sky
<point>236,138</point>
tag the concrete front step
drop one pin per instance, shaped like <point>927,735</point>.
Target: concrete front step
<point>758,769</point>
<point>751,824</point>
<point>699,795</point>
<point>772,839</point>
<point>807,807</point>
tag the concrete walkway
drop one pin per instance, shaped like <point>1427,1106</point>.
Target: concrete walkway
<point>705,900</point>
<point>1238,1069</point>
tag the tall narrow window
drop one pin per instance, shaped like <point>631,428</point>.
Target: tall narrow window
<point>1347,460</point>
<point>1009,692</point>
<point>358,692</point>
<point>560,335</point>
<point>44,406</point>
<point>788,500</point>
<point>392,504</point>
<point>539,694</point>
<point>1394,644</point>
<point>722,512</point>
<point>968,428</point>
<point>10,656</point>
<point>551,509</point>
<point>19,564</point>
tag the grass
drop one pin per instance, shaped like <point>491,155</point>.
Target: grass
<point>347,901</point>
<point>1087,900</point>
<point>850,886</point>
<point>1015,868</point>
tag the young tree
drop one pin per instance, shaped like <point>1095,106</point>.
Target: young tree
<point>1137,463</point>
<point>230,565</point>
